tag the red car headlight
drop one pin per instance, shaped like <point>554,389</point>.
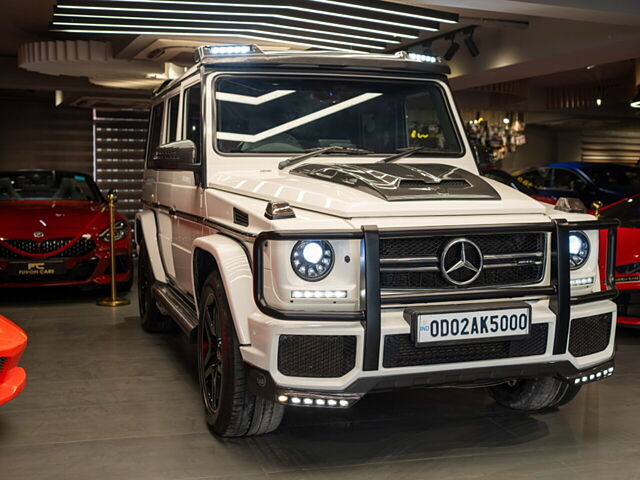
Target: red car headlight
<point>120,228</point>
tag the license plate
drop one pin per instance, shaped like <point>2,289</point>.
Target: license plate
<point>473,323</point>
<point>37,268</point>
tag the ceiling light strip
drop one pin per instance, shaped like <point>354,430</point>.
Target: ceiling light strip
<point>201,34</point>
<point>342,13</point>
<point>230,31</point>
<point>314,21</point>
<point>283,26</point>
<point>402,10</point>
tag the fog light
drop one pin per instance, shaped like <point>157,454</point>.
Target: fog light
<point>320,401</point>
<point>308,401</point>
<point>344,403</point>
<point>332,403</point>
<point>295,400</point>
<point>283,398</point>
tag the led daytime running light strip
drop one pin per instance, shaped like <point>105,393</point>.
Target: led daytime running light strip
<point>313,402</point>
<point>319,294</point>
<point>592,377</point>
<point>577,282</point>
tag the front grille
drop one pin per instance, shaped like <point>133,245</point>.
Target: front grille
<point>414,263</point>
<point>590,335</point>
<point>79,249</point>
<point>400,351</point>
<point>317,356</point>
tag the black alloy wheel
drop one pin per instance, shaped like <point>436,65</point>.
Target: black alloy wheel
<point>211,358</point>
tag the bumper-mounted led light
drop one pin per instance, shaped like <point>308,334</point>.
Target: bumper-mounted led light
<point>319,294</point>
<point>580,282</point>
<point>318,399</point>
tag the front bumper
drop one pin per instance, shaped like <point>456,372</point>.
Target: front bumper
<point>570,335</point>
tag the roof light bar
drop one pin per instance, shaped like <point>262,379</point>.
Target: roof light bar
<point>419,57</point>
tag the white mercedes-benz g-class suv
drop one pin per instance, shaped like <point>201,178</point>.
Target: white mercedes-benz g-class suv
<point>316,223</point>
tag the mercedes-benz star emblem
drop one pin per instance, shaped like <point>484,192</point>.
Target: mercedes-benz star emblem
<point>38,234</point>
<point>461,261</point>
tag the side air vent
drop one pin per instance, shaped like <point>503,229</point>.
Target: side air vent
<point>240,217</point>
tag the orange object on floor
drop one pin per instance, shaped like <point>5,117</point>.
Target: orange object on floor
<point>13,341</point>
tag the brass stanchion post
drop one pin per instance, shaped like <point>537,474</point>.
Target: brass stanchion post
<point>113,300</point>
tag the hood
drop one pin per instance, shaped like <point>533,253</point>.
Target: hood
<point>54,219</point>
<point>404,182</point>
<point>374,190</point>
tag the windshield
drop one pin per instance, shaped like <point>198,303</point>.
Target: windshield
<point>292,115</point>
<point>47,185</point>
<point>614,176</point>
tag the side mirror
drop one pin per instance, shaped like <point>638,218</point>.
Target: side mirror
<point>176,155</point>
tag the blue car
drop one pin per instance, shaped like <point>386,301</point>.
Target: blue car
<point>590,182</point>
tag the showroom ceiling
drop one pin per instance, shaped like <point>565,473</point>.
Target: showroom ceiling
<point>361,25</point>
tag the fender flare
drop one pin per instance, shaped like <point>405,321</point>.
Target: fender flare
<point>232,263</point>
<point>147,230</point>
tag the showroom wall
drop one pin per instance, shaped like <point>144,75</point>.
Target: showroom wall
<point>36,134</point>
<point>541,147</point>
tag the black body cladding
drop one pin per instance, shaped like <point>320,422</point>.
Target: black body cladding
<point>402,182</point>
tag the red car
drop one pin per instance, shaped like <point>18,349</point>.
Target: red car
<point>627,257</point>
<point>13,341</point>
<point>54,230</point>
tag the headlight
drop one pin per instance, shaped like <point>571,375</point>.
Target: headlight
<point>578,249</point>
<point>312,260</point>
<point>120,228</point>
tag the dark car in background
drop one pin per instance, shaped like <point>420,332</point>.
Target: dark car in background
<point>590,182</point>
<point>508,179</point>
<point>627,211</point>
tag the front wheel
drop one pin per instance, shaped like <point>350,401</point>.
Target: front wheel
<point>231,409</point>
<point>534,394</point>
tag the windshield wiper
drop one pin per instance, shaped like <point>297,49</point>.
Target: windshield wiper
<point>406,152</point>
<point>320,151</point>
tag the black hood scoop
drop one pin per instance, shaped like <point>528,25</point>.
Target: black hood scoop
<point>403,181</point>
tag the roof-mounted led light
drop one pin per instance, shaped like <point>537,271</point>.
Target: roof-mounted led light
<point>225,50</point>
<point>420,57</point>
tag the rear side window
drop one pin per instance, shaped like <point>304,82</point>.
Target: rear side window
<point>172,120</point>
<point>155,131</point>
<point>191,118</point>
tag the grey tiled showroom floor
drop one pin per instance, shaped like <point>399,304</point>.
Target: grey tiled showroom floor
<point>105,400</point>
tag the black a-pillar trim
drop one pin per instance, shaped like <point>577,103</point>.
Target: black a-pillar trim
<point>560,303</point>
<point>372,322</point>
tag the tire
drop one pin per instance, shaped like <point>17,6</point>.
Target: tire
<point>534,394</point>
<point>151,319</point>
<point>231,410</point>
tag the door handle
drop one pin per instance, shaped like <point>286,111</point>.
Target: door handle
<point>172,211</point>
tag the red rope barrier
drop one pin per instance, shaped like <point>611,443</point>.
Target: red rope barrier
<point>58,251</point>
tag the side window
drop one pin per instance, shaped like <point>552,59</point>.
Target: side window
<point>191,116</point>
<point>155,131</point>
<point>566,180</point>
<point>172,119</point>
<point>538,178</point>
